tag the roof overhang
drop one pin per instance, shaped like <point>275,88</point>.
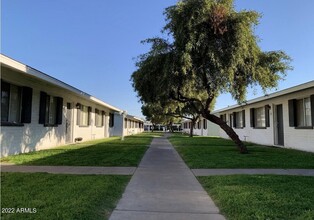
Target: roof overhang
<point>29,71</point>
<point>297,88</point>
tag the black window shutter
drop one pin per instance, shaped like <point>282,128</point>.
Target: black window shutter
<point>89,115</point>
<point>312,108</point>
<point>111,120</point>
<point>234,119</point>
<point>42,107</point>
<point>252,117</point>
<point>230,120</point>
<point>267,122</point>
<point>78,120</point>
<point>26,112</point>
<point>59,110</point>
<point>243,117</point>
<point>292,112</point>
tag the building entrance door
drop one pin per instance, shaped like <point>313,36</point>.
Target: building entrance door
<point>279,130</point>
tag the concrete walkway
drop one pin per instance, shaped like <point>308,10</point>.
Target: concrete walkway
<point>163,187</point>
<point>215,172</point>
<point>84,170</point>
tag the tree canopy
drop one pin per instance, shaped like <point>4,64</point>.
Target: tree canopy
<point>212,50</point>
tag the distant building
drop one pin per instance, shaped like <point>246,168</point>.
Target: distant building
<point>284,119</point>
<point>41,112</point>
<point>202,127</point>
<point>132,125</point>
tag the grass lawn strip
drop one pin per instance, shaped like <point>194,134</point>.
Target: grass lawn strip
<point>211,152</point>
<point>262,196</point>
<point>105,152</point>
<point>58,196</point>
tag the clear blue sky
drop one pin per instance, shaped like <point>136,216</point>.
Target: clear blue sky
<point>91,44</point>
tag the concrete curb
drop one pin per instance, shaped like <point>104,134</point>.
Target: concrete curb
<point>83,170</point>
<point>216,172</point>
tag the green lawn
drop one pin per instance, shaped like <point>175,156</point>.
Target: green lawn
<point>249,197</point>
<point>211,152</point>
<point>106,152</point>
<point>58,196</point>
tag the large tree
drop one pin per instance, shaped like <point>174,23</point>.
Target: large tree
<point>212,50</point>
<point>157,115</point>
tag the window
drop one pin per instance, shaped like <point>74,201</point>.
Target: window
<point>304,112</point>
<point>223,117</point>
<point>259,117</point>
<point>204,123</point>
<point>111,120</point>
<point>199,125</point>
<point>99,119</point>
<point>231,120</point>
<point>239,119</point>
<point>10,103</point>
<point>16,104</point>
<point>50,110</point>
<point>301,112</point>
<point>125,123</point>
<point>83,115</point>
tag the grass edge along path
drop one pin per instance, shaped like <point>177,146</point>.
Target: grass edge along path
<point>105,152</point>
<point>213,152</point>
<point>249,197</point>
<point>59,196</point>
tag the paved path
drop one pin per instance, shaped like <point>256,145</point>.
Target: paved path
<point>163,187</point>
<point>214,172</point>
<point>69,169</point>
<point>8,167</point>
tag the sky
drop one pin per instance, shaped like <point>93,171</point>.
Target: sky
<point>93,44</point>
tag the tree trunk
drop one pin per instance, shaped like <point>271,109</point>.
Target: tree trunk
<point>192,127</point>
<point>229,131</point>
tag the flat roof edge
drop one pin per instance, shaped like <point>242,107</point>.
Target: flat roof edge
<point>286,91</point>
<point>11,63</point>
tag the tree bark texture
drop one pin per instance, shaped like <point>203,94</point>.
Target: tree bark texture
<point>193,121</point>
<point>229,131</point>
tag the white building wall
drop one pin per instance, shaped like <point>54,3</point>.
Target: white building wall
<point>119,126</point>
<point>301,139</point>
<point>295,138</point>
<point>212,129</point>
<point>34,136</point>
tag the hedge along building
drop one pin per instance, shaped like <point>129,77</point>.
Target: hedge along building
<point>284,118</point>
<point>40,112</point>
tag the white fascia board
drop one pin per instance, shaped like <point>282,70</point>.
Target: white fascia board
<point>138,119</point>
<point>8,62</point>
<point>134,118</point>
<point>297,88</point>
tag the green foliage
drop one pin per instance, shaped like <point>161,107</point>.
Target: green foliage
<point>158,114</point>
<point>214,50</point>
